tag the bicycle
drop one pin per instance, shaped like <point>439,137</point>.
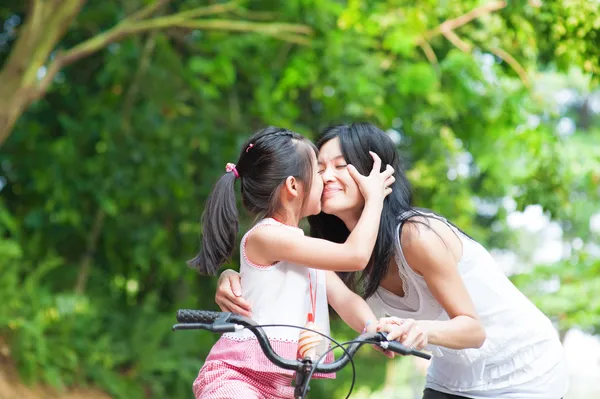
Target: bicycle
<point>222,322</point>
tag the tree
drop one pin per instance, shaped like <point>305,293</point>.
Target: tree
<point>35,60</point>
<point>103,179</point>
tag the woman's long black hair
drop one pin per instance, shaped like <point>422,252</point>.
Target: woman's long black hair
<point>356,141</point>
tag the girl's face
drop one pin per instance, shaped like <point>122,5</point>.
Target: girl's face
<point>313,201</point>
<point>341,194</point>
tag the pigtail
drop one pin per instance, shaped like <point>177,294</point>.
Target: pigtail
<point>219,227</point>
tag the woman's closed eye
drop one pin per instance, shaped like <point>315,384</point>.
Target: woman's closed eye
<point>340,166</point>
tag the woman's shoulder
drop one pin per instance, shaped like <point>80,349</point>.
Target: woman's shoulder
<point>423,237</point>
<point>420,228</point>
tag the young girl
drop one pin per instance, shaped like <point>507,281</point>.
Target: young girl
<point>287,277</point>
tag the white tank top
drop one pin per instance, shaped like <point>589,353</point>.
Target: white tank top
<point>278,294</point>
<point>522,356</point>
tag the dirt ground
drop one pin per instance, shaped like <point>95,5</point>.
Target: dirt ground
<point>11,386</point>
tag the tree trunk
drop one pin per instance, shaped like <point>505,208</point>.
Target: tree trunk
<point>88,256</point>
<point>45,25</point>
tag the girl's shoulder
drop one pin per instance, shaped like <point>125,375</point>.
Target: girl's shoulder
<point>258,243</point>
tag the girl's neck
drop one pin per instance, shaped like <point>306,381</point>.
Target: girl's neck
<point>286,218</point>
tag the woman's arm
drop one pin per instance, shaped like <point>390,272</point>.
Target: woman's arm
<point>433,251</point>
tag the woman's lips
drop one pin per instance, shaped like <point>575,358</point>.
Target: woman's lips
<point>328,192</point>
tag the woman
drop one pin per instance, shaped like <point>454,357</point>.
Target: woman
<point>438,287</point>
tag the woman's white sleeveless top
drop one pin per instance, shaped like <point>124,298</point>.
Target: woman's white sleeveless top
<point>522,356</point>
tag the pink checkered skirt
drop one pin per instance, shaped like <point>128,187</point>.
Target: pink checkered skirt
<point>240,369</point>
<point>219,380</point>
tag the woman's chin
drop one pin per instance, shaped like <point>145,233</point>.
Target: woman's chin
<point>329,208</point>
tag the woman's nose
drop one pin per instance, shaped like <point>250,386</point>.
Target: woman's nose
<point>327,175</point>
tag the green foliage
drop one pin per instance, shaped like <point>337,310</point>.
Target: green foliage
<point>103,181</point>
<point>568,290</point>
<point>66,339</point>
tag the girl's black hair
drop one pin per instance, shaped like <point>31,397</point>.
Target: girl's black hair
<point>356,140</point>
<point>266,160</point>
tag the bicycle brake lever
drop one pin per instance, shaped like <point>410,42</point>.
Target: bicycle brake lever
<point>222,324</point>
<point>397,347</point>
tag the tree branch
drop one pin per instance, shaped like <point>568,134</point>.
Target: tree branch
<point>209,10</point>
<point>147,11</point>
<point>457,41</point>
<point>429,53</point>
<point>447,29</point>
<point>294,33</point>
<point>510,60</point>
<point>273,29</point>
<point>257,15</point>
<point>454,23</point>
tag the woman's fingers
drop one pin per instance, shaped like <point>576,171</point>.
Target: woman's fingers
<point>234,304</point>
<point>389,354</point>
<point>229,306</point>
<point>406,331</point>
<point>422,343</point>
<point>412,337</point>
<point>228,294</point>
<point>397,332</point>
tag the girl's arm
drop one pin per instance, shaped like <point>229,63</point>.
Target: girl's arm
<point>351,307</point>
<point>274,243</point>
<point>427,250</point>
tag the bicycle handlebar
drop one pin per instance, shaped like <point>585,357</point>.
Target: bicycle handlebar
<point>228,322</point>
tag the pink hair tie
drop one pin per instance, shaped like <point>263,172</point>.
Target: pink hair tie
<point>249,146</point>
<point>230,167</point>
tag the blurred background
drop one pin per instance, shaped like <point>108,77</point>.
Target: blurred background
<point>117,116</point>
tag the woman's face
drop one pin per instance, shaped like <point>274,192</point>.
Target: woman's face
<point>341,194</point>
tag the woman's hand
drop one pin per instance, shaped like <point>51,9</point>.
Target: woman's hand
<point>228,296</point>
<point>372,327</point>
<point>376,185</point>
<point>408,332</point>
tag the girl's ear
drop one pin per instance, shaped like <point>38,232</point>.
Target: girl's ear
<point>292,187</point>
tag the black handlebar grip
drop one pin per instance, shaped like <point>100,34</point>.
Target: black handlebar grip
<point>397,347</point>
<point>422,355</point>
<point>197,316</point>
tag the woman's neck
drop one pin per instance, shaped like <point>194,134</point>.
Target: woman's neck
<point>350,218</point>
